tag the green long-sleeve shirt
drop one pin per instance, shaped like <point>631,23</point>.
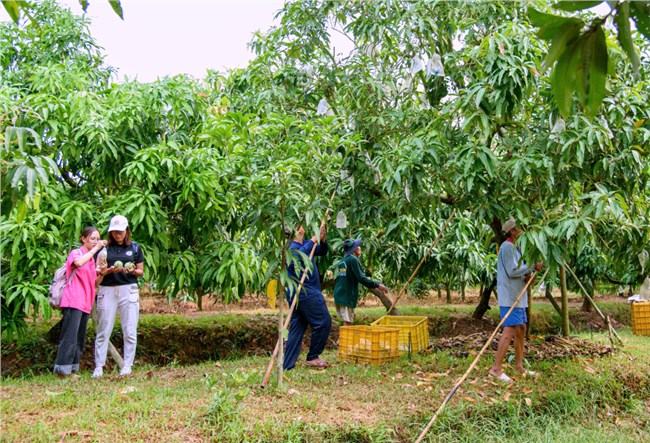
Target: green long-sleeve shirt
<point>350,274</point>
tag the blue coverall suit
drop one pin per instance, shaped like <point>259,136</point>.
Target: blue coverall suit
<point>311,309</point>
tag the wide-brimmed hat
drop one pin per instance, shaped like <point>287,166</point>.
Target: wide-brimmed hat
<point>350,245</point>
<point>509,225</point>
<point>118,223</point>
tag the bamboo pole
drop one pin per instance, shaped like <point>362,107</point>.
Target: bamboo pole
<point>473,365</point>
<point>605,319</point>
<point>280,341</point>
<point>529,313</point>
<point>294,302</point>
<point>403,291</point>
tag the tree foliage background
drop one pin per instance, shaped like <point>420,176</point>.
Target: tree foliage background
<point>209,171</point>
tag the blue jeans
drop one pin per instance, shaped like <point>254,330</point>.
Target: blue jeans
<point>310,311</point>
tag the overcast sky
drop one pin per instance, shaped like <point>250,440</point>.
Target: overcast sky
<point>167,37</point>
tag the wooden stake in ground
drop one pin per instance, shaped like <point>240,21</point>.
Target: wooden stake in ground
<point>403,291</point>
<point>605,319</point>
<point>265,380</point>
<point>473,365</point>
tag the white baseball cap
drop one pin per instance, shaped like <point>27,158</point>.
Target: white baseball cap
<point>509,225</point>
<point>118,223</point>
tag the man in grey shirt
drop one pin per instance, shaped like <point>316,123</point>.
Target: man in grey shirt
<point>512,275</point>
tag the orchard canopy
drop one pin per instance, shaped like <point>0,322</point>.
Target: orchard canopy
<point>494,109</point>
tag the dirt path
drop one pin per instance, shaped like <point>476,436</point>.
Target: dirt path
<point>152,303</point>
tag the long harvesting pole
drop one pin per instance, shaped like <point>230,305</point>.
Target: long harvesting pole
<point>403,291</point>
<point>473,365</point>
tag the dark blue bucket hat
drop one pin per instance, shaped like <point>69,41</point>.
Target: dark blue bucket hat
<point>350,245</point>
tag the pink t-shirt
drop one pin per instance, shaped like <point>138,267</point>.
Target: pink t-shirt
<point>80,292</point>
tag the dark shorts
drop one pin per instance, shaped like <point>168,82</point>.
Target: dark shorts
<point>516,318</point>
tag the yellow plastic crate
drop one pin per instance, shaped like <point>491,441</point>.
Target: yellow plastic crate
<point>413,331</point>
<point>641,318</point>
<point>365,344</point>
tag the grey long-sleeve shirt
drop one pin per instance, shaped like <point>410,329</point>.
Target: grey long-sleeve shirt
<point>511,276</point>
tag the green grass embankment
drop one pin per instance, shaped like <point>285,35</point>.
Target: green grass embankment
<point>175,339</point>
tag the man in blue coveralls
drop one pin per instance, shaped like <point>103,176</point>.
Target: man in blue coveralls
<point>311,308</point>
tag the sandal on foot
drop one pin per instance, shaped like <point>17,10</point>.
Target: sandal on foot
<point>503,377</point>
<point>317,363</point>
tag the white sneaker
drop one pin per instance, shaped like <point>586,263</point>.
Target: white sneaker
<point>126,370</point>
<point>98,372</point>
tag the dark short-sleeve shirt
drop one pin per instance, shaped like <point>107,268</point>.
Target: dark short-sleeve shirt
<point>123,253</point>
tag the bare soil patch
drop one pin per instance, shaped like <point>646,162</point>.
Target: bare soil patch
<point>157,303</point>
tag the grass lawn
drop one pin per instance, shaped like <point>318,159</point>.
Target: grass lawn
<point>572,400</point>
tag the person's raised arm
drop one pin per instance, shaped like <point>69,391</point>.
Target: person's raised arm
<point>85,258</point>
<point>322,248</point>
<point>355,268</point>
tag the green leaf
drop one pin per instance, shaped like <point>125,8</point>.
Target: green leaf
<point>622,20</point>
<point>564,74</point>
<point>13,9</point>
<point>117,7</point>
<point>84,4</point>
<point>541,19</point>
<point>550,31</point>
<point>570,6</point>
<point>567,32</point>
<point>285,333</point>
<point>594,71</point>
<point>640,12</point>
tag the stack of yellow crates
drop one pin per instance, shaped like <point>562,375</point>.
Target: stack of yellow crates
<point>641,318</point>
<point>366,344</point>
<point>413,331</point>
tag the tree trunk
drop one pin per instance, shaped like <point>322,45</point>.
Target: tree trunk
<point>462,290</point>
<point>376,292</point>
<point>438,288</point>
<point>328,284</point>
<point>448,291</point>
<point>199,299</point>
<point>586,304</point>
<point>384,301</point>
<point>565,302</point>
<point>484,300</point>
<point>550,298</point>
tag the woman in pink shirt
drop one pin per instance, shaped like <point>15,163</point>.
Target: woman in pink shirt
<point>77,301</point>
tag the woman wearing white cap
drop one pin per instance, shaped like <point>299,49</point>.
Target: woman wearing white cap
<point>118,291</point>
